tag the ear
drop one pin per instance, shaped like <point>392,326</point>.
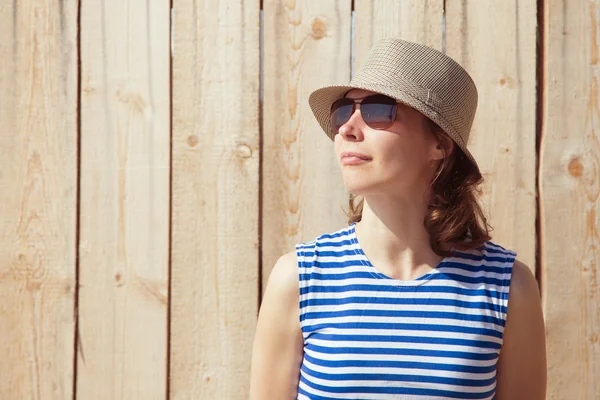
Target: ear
<point>443,148</point>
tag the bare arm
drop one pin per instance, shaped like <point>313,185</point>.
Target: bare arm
<point>522,362</point>
<point>278,344</point>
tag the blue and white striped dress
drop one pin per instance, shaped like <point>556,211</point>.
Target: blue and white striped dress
<point>368,336</point>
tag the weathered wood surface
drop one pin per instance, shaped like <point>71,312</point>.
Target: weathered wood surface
<point>215,197</point>
<point>570,207</point>
<point>306,45</point>
<point>495,41</point>
<point>417,21</point>
<point>38,183</point>
<point>123,351</point>
<point>124,200</point>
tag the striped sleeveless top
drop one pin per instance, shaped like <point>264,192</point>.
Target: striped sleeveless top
<point>368,336</point>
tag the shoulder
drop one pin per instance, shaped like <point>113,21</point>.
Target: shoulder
<point>524,302</point>
<point>279,311</point>
<point>283,280</point>
<point>308,251</point>
<point>278,343</point>
<point>522,362</point>
<point>327,239</point>
<point>524,294</point>
<point>497,252</point>
<point>284,275</point>
<point>523,287</point>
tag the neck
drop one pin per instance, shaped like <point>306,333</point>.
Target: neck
<point>392,235</point>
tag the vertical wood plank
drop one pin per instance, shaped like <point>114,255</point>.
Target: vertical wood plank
<point>124,223</point>
<point>495,41</point>
<point>38,182</point>
<point>306,45</point>
<point>569,195</point>
<point>215,197</point>
<point>415,20</point>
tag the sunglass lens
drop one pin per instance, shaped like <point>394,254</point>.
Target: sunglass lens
<point>341,111</point>
<point>378,111</point>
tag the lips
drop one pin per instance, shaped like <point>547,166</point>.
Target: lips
<point>350,158</point>
<point>355,155</point>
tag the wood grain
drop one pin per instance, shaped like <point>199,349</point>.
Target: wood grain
<point>414,20</point>
<point>215,197</point>
<point>124,222</point>
<point>569,195</point>
<point>38,182</point>
<point>306,45</point>
<point>496,42</point>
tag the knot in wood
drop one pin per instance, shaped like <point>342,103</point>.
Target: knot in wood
<point>319,28</point>
<point>576,168</point>
<point>243,151</point>
<point>192,140</point>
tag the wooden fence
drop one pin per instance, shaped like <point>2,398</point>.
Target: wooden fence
<point>157,158</point>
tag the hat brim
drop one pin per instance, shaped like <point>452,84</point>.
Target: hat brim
<point>321,100</point>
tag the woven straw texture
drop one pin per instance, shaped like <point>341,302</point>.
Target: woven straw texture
<point>416,75</point>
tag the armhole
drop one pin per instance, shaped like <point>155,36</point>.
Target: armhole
<point>302,287</point>
<point>304,262</point>
<point>511,256</point>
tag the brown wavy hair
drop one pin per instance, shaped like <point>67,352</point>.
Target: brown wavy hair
<point>454,218</point>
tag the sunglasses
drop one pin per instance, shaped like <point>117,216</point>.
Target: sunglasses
<point>378,111</point>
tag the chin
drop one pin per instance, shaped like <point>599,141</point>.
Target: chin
<point>360,188</point>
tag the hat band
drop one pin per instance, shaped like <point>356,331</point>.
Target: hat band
<point>403,85</point>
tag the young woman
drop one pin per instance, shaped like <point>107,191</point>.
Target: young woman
<point>412,300</point>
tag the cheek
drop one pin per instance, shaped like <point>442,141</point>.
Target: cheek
<point>403,158</point>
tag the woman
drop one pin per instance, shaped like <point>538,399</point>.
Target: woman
<point>412,300</point>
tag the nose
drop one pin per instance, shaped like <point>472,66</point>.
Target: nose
<point>352,129</point>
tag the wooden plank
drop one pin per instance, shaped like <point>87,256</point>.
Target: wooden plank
<point>495,41</point>
<point>124,223</point>
<point>215,197</point>
<point>306,45</point>
<point>38,182</point>
<point>415,20</point>
<point>569,195</point>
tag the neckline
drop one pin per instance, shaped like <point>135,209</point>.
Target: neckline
<point>380,275</point>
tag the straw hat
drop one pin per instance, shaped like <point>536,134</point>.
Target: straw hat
<point>416,75</point>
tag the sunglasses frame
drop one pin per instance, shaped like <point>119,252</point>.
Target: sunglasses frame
<point>359,102</point>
